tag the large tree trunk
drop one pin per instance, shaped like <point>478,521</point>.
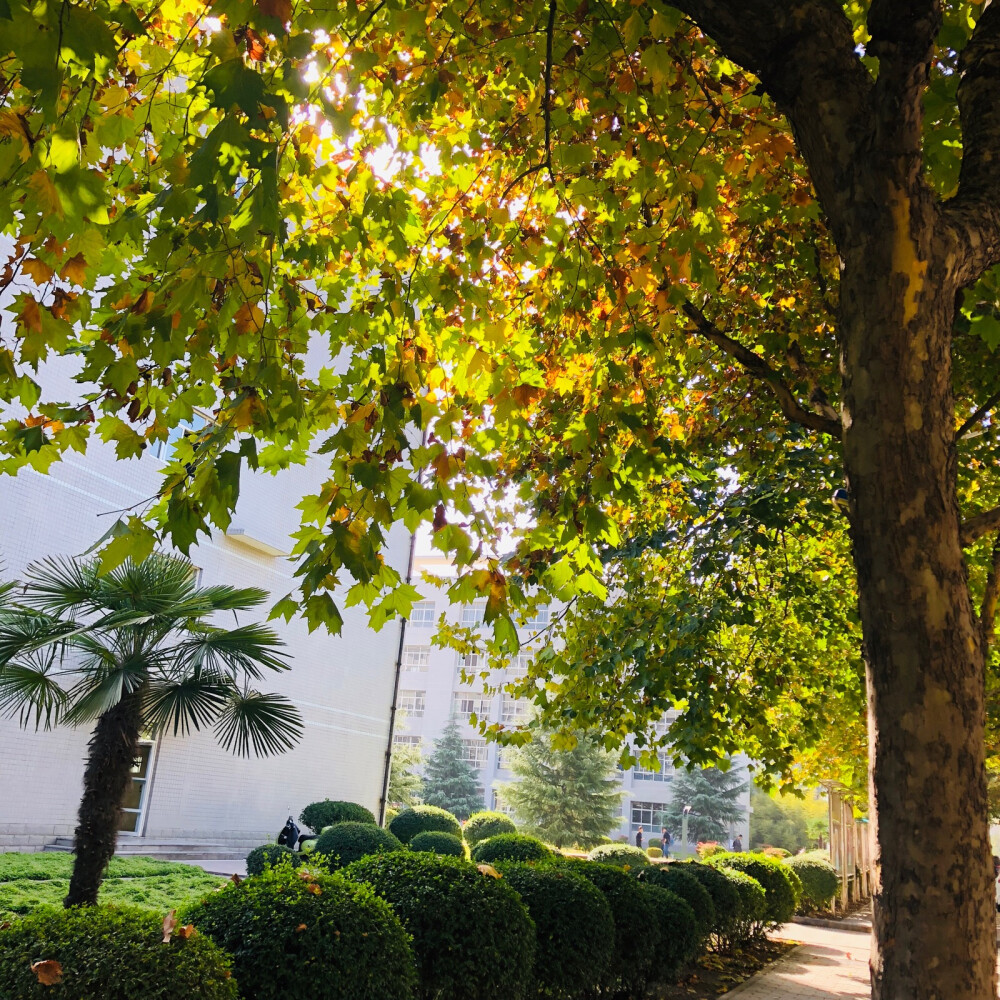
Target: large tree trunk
<point>113,749</point>
<point>934,929</point>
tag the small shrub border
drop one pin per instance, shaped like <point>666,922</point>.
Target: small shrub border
<point>774,878</point>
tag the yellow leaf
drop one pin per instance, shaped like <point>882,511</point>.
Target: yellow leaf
<point>40,272</point>
<point>489,870</point>
<point>75,269</point>
<point>45,191</point>
<point>249,316</point>
<point>31,315</point>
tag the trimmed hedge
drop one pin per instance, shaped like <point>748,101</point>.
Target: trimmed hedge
<point>438,843</point>
<point>574,928</point>
<point>267,856</point>
<point>753,907</point>
<point>774,878</point>
<point>819,879</point>
<point>483,825</point>
<point>318,815</point>
<point>346,842</point>
<point>110,953</point>
<point>307,934</point>
<point>472,937</point>
<point>682,883</point>
<point>637,933</point>
<point>621,855</point>
<point>719,884</point>
<point>511,847</point>
<point>654,852</point>
<point>678,933</point>
<point>424,819</point>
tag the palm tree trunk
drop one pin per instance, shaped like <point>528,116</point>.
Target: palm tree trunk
<point>113,749</point>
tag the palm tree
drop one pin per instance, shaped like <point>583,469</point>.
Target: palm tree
<point>134,651</point>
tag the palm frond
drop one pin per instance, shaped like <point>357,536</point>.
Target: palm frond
<point>30,691</point>
<point>223,598</point>
<point>187,703</point>
<point>155,585</point>
<point>99,691</point>
<point>266,723</point>
<point>247,649</point>
<point>61,585</point>
<point>23,631</point>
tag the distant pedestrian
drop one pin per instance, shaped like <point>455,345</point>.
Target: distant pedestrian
<point>665,842</point>
<point>738,844</point>
<point>638,838</point>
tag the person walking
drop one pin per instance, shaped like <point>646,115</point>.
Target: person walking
<point>665,842</point>
<point>738,844</point>
<point>638,838</point>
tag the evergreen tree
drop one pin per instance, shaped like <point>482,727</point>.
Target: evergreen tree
<point>566,797</point>
<point>450,781</point>
<point>405,783</point>
<point>713,796</point>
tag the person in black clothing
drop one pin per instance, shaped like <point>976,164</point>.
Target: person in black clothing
<point>638,838</point>
<point>665,842</point>
<point>738,844</point>
<point>289,834</point>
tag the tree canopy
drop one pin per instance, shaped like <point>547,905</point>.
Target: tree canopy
<point>713,796</point>
<point>449,780</point>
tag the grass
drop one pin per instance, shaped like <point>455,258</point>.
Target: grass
<point>28,881</point>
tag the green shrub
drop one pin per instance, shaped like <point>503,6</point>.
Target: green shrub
<point>778,853</point>
<point>819,879</point>
<point>654,852</point>
<point>718,883</point>
<point>424,819</point>
<point>636,930</point>
<point>308,934</point>
<point>343,843</point>
<point>621,855</point>
<point>511,847</point>
<point>678,933</point>
<point>267,856</point>
<point>681,882</point>
<point>709,848</point>
<point>752,920</point>
<point>14,866</point>
<point>774,878</point>
<point>793,877</point>
<point>483,825</point>
<point>654,842</point>
<point>308,846</point>
<point>110,953</point>
<point>574,928</point>
<point>438,843</point>
<point>472,936</point>
<point>318,815</point>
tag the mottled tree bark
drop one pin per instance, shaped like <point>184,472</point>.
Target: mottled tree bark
<point>113,749</point>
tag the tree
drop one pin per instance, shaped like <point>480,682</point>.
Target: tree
<point>594,251</point>
<point>566,794</point>
<point>450,781</point>
<point>713,796</point>
<point>405,783</point>
<point>786,821</point>
<point>133,651</point>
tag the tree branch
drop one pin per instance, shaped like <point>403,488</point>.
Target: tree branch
<point>991,597</point>
<point>977,416</point>
<point>974,213</point>
<point>978,525</point>
<point>755,366</point>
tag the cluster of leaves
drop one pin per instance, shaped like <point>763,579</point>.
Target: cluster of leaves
<point>424,819</point>
<point>482,825</point>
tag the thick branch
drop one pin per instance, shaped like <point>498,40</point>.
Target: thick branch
<point>974,214</point>
<point>977,416</point>
<point>755,366</point>
<point>988,611</point>
<point>979,525</point>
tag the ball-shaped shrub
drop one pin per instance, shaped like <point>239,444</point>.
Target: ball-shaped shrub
<point>267,856</point>
<point>424,819</point>
<point>681,882</point>
<point>574,928</point>
<point>636,930</point>
<point>778,853</point>
<point>343,843</point>
<point>472,936</point>
<point>752,920</point>
<point>511,847</point>
<point>779,891</point>
<point>318,815</point>
<point>438,843</point>
<point>307,933</point>
<point>483,825</point>
<point>725,897</point>
<point>109,953</point>
<point>678,933</point>
<point>621,855</point>
<point>654,852</point>
<point>820,882</point>
<point>654,842</point>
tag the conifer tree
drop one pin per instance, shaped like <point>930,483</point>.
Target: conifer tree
<point>565,796</point>
<point>450,781</point>
<point>713,796</point>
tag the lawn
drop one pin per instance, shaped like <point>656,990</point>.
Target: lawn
<point>31,880</point>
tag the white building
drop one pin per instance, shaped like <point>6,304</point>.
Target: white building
<point>431,691</point>
<point>190,787</point>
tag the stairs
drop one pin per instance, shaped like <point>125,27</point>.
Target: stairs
<point>170,850</point>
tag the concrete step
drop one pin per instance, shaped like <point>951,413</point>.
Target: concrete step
<point>168,850</point>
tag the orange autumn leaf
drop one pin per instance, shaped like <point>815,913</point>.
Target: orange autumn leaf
<point>75,269</point>
<point>169,923</point>
<point>489,870</point>
<point>185,932</point>
<point>31,315</point>
<point>281,9</point>
<point>40,271</point>
<point>48,971</point>
<point>144,303</point>
<point>249,317</point>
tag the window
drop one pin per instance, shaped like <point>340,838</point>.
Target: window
<point>416,657</point>
<point>474,752</point>
<point>197,573</point>
<point>640,773</point>
<point>402,740</point>
<point>466,704</point>
<point>539,618</point>
<point>472,615</point>
<point>514,710</point>
<point>517,669</point>
<point>472,661</point>
<point>651,815</point>
<point>412,702</point>
<point>164,450</point>
<point>422,614</point>
<point>500,806</point>
<point>503,757</point>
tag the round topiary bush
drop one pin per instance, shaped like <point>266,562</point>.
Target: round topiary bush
<point>621,855</point>
<point>725,898</point>
<point>438,843</point>
<point>308,934</point>
<point>636,930</point>
<point>109,953</point>
<point>574,928</point>
<point>681,882</point>
<point>819,879</point>
<point>654,842</point>
<point>752,919</point>
<point>424,819</point>
<point>472,936</point>
<point>654,852</point>
<point>267,856</point>
<point>773,876</point>
<point>779,853</point>
<point>678,933</point>
<point>343,843</point>
<point>511,847</point>
<point>318,815</point>
<point>483,825</point>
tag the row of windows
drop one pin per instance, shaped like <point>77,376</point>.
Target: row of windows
<point>414,704</point>
<point>419,658</point>
<point>423,615</point>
